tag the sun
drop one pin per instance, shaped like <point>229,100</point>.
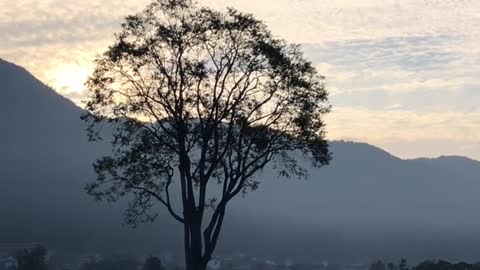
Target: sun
<point>69,79</point>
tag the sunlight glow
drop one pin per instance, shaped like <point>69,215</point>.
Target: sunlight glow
<point>69,79</point>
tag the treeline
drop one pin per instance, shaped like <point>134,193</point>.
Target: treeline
<point>123,263</point>
<point>37,259</point>
<point>425,265</point>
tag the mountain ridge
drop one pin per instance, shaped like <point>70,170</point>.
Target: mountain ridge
<point>80,110</point>
<point>365,202</point>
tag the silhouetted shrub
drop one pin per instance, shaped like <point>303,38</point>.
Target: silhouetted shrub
<point>31,258</point>
<point>153,263</point>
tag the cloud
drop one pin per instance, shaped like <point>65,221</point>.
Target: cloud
<point>399,72</point>
<point>392,126</point>
<point>405,125</point>
<point>311,21</point>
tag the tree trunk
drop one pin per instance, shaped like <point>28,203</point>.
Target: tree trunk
<point>194,258</point>
<point>196,263</point>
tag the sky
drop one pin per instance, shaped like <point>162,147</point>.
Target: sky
<point>403,75</point>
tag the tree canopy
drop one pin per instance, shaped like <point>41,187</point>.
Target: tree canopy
<point>201,98</point>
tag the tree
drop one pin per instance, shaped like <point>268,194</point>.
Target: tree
<point>153,263</point>
<point>31,258</point>
<point>378,265</point>
<point>402,265</point>
<point>199,102</point>
<point>392,266</point>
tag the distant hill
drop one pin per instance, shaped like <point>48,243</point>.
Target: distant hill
<point>456,164</point>
<point>367,204</point>
<point>45,161</point>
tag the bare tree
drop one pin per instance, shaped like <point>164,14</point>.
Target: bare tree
<point>203,100</point>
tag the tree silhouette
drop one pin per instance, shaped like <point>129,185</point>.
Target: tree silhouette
<point>378,265</point>
<point>200,102</point>
<point>31,258</point>
<point>402,265</point>
<point>153,263</point>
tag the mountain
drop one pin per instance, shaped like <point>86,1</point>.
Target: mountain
<point>28,107</point>
<point>45,161</point>
<point>370,204</point>
<point>455,164</point>
<point>367,204</point>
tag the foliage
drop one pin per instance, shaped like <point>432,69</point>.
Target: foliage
<point>378,265</point>
<point>402,265</point>
<point>445,265</point>
<point>201,98</point>
<point>425,265</point>
<point>31,258</point>
<point>153,263</point>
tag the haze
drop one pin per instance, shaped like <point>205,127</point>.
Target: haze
<point>403,75</point>
<point>403,136</point>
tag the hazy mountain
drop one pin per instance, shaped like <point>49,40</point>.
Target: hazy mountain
<point>367,204</point>
<point>31,113</point>
<point>455,164</point>
<point>45,161</point>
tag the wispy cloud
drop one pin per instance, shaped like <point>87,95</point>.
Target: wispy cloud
<point>441,132</point>
<point>400,72</point>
